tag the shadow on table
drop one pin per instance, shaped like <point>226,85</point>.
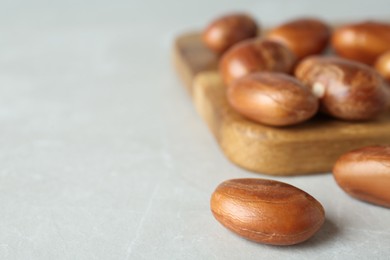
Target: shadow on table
<point>327,233</point>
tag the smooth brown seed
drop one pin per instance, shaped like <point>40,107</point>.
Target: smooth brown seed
<point>347,90</point>
<point>255,55</point>
<point>304,37</point>
<point>228,30</point>
<point>267,211</point>
<point>272,98</point>
<point>365,174</point>
<point>382,65</point>
<point>363,41</point>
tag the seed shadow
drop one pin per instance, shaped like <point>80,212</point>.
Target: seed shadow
<point>325,235</point>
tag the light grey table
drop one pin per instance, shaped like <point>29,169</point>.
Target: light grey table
<point>102,155</point>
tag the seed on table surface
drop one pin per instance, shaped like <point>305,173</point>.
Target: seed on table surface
<point>267,211</point>
<point>364,173</point>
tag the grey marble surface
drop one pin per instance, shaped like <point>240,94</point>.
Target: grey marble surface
<point>102,155</point>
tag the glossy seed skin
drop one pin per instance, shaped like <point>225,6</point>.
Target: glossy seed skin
<point>347,90</point>
<point>271,98</point>
<point>255,55</point>
<point>267,211</point>
<point>382,65</point>
<point>363,41</point>
<point>304,37</point>
<point>228,30</point>
<point>365,174</point>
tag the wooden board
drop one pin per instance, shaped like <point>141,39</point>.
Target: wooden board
<point>311,147</point>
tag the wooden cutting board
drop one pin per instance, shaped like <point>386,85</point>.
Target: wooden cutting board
<point>311,147</point>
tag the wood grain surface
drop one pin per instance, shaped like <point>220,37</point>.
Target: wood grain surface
<point>311,147</point>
